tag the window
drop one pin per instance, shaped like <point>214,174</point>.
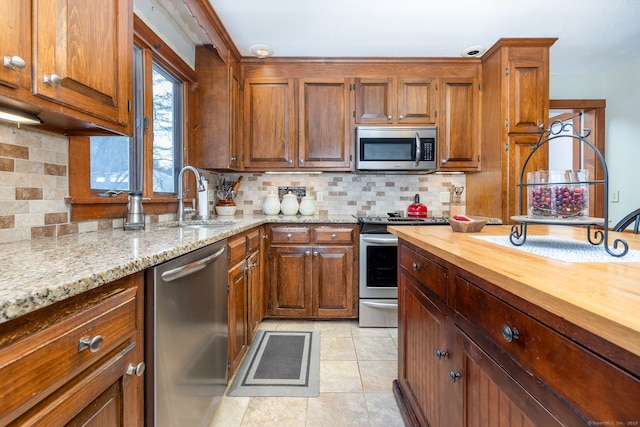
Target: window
<point>150,160</point>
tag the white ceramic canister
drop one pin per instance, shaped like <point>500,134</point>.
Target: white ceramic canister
<point>307,206</point>
<point>289,205</point>
<point>271,204</point>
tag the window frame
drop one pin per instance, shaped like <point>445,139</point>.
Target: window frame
<point>85,204</point>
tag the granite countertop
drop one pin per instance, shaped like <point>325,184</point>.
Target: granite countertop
<point>36,273</point>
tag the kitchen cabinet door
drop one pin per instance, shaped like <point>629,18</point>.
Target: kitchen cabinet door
<point>269,124</point>
<point>15,44</point>
<point>423,354</point>
<point>417,101</point>
<point>290,280</point>
<point>256,288</point>
<point>519,147</point>
<point>459,139</point>
<point>528,95</point>
<point>486,395</point>
<point>401,100</point>
<point>325,132</point>
<point>83,56</point>
<point>238,304</point>
<point>374,101</point>
<point>333,281</point>
<point>217,130</point>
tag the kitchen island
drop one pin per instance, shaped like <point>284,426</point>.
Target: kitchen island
<point>490,330</point>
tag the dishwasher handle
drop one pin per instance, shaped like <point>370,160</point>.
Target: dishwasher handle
<point>191,268</point>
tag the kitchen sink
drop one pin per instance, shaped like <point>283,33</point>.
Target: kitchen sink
<point>203,223</point>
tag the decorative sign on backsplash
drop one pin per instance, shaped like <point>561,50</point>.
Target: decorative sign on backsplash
<point>300,192</point>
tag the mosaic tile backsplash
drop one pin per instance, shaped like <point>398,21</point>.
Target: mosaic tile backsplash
<point>34,181</point>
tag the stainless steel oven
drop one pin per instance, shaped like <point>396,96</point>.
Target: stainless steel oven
<point>378,305</point>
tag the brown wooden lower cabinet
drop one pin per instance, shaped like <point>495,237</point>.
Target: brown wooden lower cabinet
<point>312,271</point>
<point>474,355</point>
<point>75,362</point>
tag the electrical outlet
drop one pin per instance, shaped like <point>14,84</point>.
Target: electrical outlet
<point>615,196</point>
<point>319,196</point>
<point>445,197</point>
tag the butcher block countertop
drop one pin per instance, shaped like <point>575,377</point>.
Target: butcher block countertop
<point>601,297</point>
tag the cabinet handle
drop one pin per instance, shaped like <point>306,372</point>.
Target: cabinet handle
<point>93,344</point>
<point>52,80</point>
<point>138,369</point>
<point>389,117</point>
<point>289,236</point>
<point>315,253</point>
<point>333,236</point>
<point>510,334</point>
<point>290,161</point>
<point>401,117</point>
<point>454,376</point>
<point>301,161</point>
<point>234,158</point>
<point>441,354</point>
<point>13,62</point>
<point>307,253</point>
<point>415,266</point>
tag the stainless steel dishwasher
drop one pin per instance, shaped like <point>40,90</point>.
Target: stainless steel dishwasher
<point>186,338</point>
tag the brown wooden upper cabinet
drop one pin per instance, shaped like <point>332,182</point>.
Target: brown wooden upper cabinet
<point>297,124</point>
<point>529,95</point>
<point>80,65</point>
<point>459,130</point>
<point>396,100</point>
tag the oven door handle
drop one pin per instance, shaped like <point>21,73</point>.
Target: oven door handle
<point>380,304</point>
<point>383,240</point>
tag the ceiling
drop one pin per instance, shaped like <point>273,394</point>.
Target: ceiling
<point>593,35</point>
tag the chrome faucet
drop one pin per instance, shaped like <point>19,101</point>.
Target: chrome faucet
<point>181,208</point>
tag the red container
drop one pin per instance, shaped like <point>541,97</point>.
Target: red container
<point>417,209</point>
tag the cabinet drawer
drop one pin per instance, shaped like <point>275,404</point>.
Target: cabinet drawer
<point>598,389</point>
<point>430,274</point>
<point>334,235</point>
<point>42,362</point>
<point>290,235</point>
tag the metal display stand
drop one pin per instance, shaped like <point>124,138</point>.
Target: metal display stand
<point>595,236</point>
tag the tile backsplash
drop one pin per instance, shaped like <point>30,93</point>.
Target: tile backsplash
<point>34,181</point>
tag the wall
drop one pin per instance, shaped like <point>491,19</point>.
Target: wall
<point>348,193</point>
<point>617,86</point>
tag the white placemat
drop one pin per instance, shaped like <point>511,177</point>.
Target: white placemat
<point>564,249</point>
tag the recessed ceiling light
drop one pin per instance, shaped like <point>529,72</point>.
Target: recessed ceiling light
<point>261,50</point>
<point>473,51</point>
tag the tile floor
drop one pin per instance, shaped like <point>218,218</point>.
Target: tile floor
<point>357,368</point>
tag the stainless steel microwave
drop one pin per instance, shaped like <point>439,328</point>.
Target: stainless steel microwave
<point>396,148</point>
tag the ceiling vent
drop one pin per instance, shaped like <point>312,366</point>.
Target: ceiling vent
<point>473,51</point>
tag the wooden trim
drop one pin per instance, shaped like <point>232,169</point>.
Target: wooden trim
<point>146,38</point>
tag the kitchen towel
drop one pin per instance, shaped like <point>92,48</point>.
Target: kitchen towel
<point>564,249</point>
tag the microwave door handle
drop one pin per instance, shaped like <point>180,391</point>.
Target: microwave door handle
<point>418,151</point>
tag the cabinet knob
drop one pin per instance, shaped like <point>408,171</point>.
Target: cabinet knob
<point>307,253</point>
<point>301,161</point>
<point>415,266</point>
<point>234,158</point>
<point>454,376</point>
<point>290,161</point>
<point>14,62</point>
<point>333,236</point>
<point>315,253</point>
<point>52,80</point>
<point>510,334</point>
<point>401,117</point>
<point>441,354</point>
<point>138,369</point>
<point>389,117</point>
<point>289,236</point>
<point>93,344</point>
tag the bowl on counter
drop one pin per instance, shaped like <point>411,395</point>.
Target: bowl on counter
<point>474,225</point>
